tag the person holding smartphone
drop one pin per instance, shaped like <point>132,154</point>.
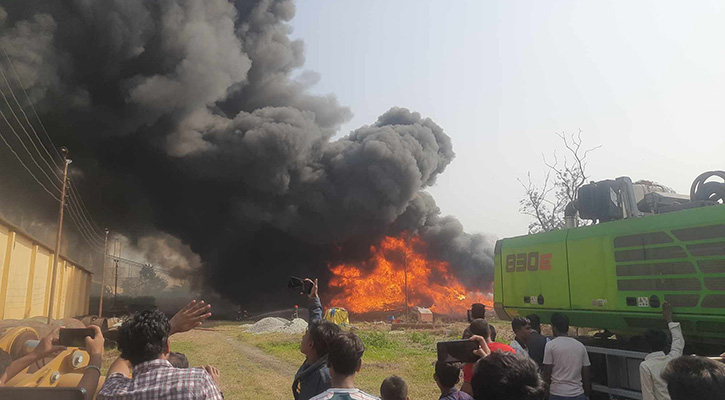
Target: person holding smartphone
<point>313,376</point>
<point>47,347</point>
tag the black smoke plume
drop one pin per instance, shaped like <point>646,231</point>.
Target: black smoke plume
<point>192,120</point>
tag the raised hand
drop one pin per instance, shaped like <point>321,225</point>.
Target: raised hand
<point>482,350</point>
<point>94,345</point>
<point>189,317</point>
<point>49,345</point>
<point>667,311</point>
<point>313,293</point>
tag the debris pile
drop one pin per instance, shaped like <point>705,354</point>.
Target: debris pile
<point>277,325</point>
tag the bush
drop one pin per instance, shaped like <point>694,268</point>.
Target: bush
<point>376,340</point>
<point>422,338</point>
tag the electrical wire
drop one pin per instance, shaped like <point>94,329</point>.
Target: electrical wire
<point>22,86</point>
<point>26,167</point>
<point>82,229</point>
<point>95,247</point>
<point>73,206</point>
<point>21,141</point>
<point>12,93</point>
<point>82,217</point>
<point>74,194</point>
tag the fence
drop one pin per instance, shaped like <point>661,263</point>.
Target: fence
<point>26,270</point>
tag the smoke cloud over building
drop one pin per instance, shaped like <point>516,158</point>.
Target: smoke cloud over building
<point>194,118</point>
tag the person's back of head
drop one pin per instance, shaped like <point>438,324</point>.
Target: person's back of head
<point>560,322</point>
<point>393,388</point>
<point>345,354</point>
<point>493,332</point>
<point>447,375</point>
<point>535,322</point>
<point>692,377</point>
<point>178,360</point>
<point>656,339</point>
<point>478,310</point>
<point>144,337</point>
<point>480,327</point>
<point>506,376</point>
<point>320,333</point>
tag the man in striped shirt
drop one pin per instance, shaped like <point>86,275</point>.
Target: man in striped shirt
<point>344,358</point>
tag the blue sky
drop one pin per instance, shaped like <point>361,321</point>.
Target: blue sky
<point>643,79</point>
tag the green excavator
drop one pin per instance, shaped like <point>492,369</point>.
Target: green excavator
<point>644,245</point>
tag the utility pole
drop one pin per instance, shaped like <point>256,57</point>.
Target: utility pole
<point>405,272</point>
<point>103,274</point>
<point>115,285</point>
<point>56,260</point>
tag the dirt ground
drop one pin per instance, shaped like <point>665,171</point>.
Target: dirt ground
<point>263,366</point>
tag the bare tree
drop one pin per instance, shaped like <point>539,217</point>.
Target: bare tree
<point>563,178</point>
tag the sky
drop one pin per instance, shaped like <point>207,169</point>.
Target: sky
<point>642,79</point>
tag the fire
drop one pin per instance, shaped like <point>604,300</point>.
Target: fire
<point>429,282</point>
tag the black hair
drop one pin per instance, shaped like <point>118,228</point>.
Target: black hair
<point>560,322</point>
<point>320,332</point>
<point>535,322</point>
<point>506,376</point>
<point>143,337</point>
<point>519,322</point>
<point>346,350</point>
<point>656,339</point>
<point>692,377</point>
<point>178,360</point>
<point>493,332</point>
<point>393,388</point>
<point>448,374</point>
<point>480,327</point>
<point>478,310</point>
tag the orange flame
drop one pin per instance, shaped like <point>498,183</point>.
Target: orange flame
<point>430,284</point>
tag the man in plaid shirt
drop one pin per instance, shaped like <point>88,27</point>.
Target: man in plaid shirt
<point>144,345</point>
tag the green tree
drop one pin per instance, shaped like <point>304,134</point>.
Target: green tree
<point>148,283</point>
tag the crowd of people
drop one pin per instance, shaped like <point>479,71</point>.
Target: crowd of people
<point>532,367</point>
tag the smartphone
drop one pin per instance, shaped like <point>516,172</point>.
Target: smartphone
<point>455,351</point>
<point>295,282</point>
<point>75,337</point>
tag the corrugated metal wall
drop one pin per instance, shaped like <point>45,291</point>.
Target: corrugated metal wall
<point>25,275</point>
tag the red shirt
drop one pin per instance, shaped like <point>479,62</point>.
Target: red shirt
<point>494,346</point>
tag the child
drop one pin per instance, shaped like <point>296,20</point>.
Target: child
<point>394,388</point>
<point>446,377</point>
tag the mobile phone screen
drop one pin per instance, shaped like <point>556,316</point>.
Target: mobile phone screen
<point>457,351</point>
<point>75,337</point>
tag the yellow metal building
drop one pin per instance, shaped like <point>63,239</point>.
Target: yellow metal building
<point>26,269</point>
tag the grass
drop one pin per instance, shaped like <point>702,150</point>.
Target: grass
<point>262,367</point>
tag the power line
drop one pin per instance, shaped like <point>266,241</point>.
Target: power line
<point>21,141</point>
<point>83,235</point>
<point>22,86</point>
<point>12,93</point>
<point>26,167</point>
<point>74,195</point>
<point>82,229</point>
<point>84,221</point>
<point>83,204</point>
<point>82,217</point>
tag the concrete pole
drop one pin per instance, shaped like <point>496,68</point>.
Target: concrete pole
<point>103,275</point>
<point>66,162</point>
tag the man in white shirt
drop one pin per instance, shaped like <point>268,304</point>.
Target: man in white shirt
<point>566,364</point>
<point>650,371</point>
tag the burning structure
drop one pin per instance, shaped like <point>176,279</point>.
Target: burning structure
<point>194,120</point>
